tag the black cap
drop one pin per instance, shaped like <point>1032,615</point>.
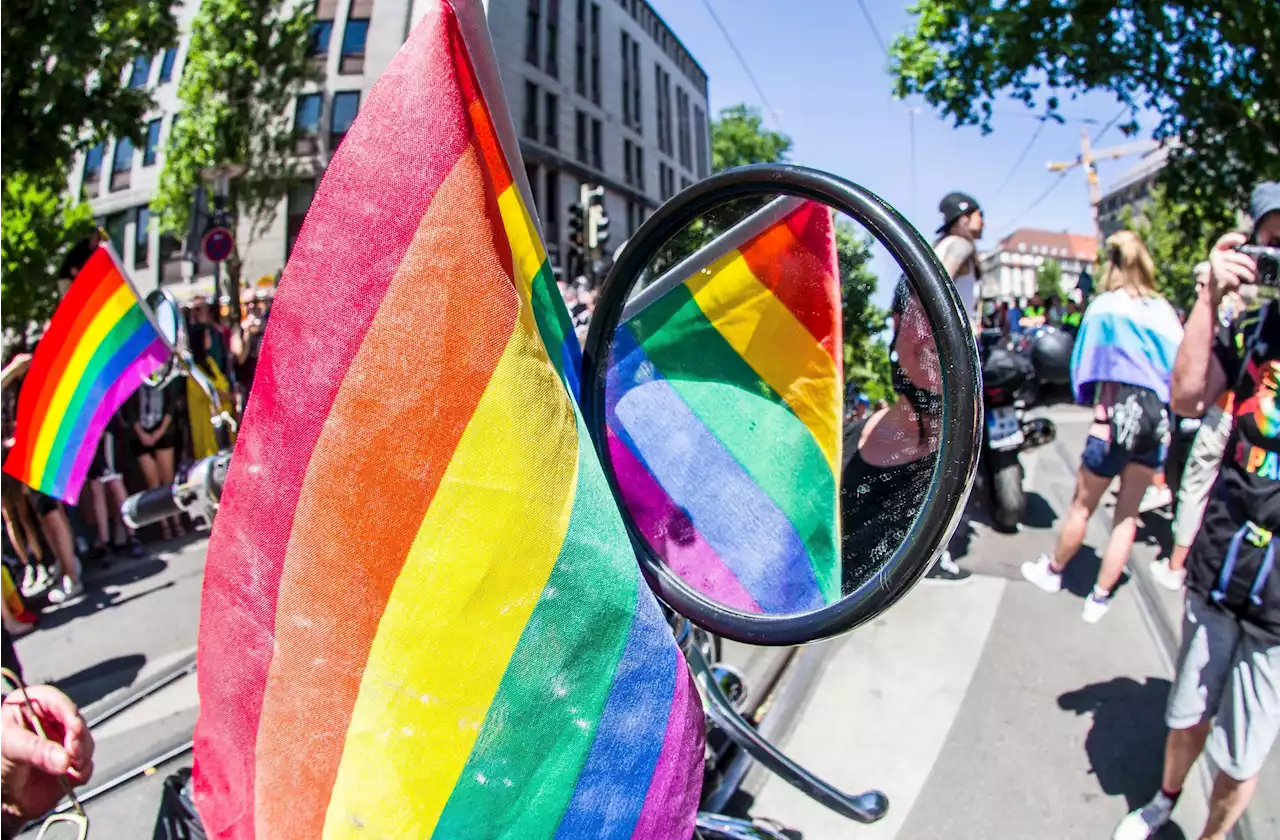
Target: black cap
<point>953,206</point>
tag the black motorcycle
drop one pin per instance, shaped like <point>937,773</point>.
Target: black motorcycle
<point>1013,374</point>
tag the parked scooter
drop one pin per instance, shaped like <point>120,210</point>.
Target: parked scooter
<point>1013,374</point>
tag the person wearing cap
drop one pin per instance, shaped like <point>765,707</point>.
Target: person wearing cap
<point>1226,692</point>
<point>961,228</point>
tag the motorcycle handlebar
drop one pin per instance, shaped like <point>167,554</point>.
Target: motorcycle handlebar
<point>149,506</point>
<point>863,807</point>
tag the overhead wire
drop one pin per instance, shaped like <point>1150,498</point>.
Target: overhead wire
<point>743,61</point>
<point>1012,226</point>
<point>872,24</point>
<point>1026,150</point>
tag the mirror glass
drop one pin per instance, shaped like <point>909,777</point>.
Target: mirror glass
<point>168,319</point>
<point>773,404</point>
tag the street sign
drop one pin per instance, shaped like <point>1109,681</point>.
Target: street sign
<point>217,244</point>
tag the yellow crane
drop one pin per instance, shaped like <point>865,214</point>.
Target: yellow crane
<point>1089,156</point>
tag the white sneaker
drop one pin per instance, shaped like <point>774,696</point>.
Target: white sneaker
<point>35,579</point>
<point>1145,821</point>
<point>1095,607</point>
<point>1168,578</point>
<point>1155,498</point>
<point>1040,572</point>
<point>66,591</point>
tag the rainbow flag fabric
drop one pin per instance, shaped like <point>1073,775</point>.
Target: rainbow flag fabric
<point>98,348</point>
<point>422,616</point>
<point>723,404</point>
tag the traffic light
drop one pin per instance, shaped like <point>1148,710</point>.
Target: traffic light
<point>577,223</point>
<point>597,228</point>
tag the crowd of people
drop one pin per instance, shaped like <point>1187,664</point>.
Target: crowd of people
<point>151,438</point>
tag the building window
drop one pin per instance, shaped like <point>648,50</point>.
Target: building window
<point>580,135</point>
<point>299,202</point>
<point>595,53</point>
<point>170,259</point>
<point>114,225</point>
<point>531,110</point>
<point>321,34</point>
<point>597,150</point>
<point>632,219</point>
<point>306,124</point>
<point>628,168</point>
<point>635,89</point>
<point>92,170</point>
<point>551,212</point>
<point>142,237</point>
<point>121,164</point>
<point>531,31</point>
<point>354,36</point>
<point>167,60</point>
<point>153,143</point>
<point>580,48</point>
<point>553,40</point>
<point>639,166</point>
<point>626,79</point>
<point>662,91</point>
<point>531,175</point>
<point>346,104</point>
<point>685,183</point>
<point>140,72</point>
<point>666,180</point>
<point>552,136</point>
<point>700,135</point>
<point>684,132</point>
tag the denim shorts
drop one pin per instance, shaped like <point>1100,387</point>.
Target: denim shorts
<point>1107,461</point>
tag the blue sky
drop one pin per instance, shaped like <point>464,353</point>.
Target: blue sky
<point>822,71</point>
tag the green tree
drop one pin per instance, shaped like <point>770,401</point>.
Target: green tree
<point>1174,251</point>
<point>38,226</point>
<point>1211,71</point>
<point>1049,280</point>
<point>65,82</point>
<point>246,63</point>
<point>738,137</point>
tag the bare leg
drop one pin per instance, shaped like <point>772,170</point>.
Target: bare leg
<point>1227,803</point>
<point>100,517</point>
<point>164,461</point>
<point>57,530</point>
<point>1089,490</point>
<point>1133,484</point>
<point>1181,749</point>
<point>117,496</point>
<point>1178,557</point>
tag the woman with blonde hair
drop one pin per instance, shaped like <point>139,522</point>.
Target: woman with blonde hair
<point>1121,365</point>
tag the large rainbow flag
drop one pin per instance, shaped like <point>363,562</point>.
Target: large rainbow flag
<point>724,409</point>
<point>421,614</point>
<point>99,346</point>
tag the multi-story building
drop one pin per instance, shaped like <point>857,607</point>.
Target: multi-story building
<point>1131,191</point>
<point>602,92</point>
<point>1009,270</point>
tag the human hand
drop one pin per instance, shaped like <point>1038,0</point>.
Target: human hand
<point>20,362</point>
<point>1228,268</point>
<point>31,767</point>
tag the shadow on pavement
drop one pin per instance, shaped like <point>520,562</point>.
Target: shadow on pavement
<point>1155,529</point>
<point>1126,742</point>
<point>1039,513</point>
<point>102,678</point>
<point>96,598</point>
<point>741,804</point>
<point>1080,575</point>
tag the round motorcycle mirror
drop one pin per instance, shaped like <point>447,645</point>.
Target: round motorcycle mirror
<point>788,464</point>
<point>168,320</point>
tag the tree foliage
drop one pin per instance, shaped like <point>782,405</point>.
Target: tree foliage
<point>39,225</point>
<point>1049,280</point>
<point>1210,70</point>
<point>65,82</point>
<point>738,137</point>
<point>246,64</point>
<point>1174,252</point>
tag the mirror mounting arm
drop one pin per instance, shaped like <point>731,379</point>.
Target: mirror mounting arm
<point>865,807</point>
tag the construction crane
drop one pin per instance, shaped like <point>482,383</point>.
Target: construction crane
<point>1089,156</point>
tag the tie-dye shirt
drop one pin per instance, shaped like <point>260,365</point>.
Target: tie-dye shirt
<point>1125,339</point>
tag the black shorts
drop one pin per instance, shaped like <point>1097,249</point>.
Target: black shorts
<point>43,504</point>
<point>104,467</point>
<point>168,441</point>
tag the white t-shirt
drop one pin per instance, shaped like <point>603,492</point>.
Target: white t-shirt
<point>967,283</point>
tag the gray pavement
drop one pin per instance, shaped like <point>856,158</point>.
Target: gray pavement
<point>991,710</point>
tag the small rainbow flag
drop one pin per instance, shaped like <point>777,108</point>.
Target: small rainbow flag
<point>98,348</point>
<point>422,616</point>
<point>723,403</point>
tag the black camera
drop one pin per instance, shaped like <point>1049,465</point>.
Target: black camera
<point>1268,259</point>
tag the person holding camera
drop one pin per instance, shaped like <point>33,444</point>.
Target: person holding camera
<point>1226,692</point>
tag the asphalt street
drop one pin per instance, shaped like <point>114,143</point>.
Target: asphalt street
<point>985,711</point>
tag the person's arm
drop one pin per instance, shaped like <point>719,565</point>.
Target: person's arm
<point>1200,369</point>
<point>954,252</point>
<point>17,366</point>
